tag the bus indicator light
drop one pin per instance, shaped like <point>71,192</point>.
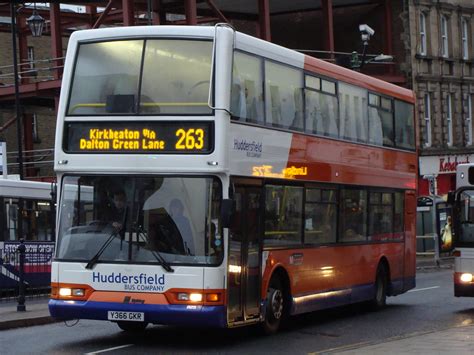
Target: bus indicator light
<point>212,297</point>
<point>466,277</point>
<point>182,296</point>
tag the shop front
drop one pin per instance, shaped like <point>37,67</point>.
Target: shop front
<point>438,173</point>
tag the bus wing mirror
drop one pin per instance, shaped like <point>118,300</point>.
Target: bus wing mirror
<point>227,212</point>
<point>451,197</point>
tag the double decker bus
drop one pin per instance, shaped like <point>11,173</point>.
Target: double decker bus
<point>461,230</point>
<point>210,178</point>
<point>26,213</point>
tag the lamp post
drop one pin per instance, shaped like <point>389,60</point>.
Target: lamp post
<point>17,93</point>
<point>35,23</point>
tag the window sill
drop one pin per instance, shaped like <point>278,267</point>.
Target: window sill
<point>424,57</point>
<point>447,59</point>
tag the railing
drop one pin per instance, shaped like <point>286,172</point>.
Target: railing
<point>39,160</point>
<point>37,268</point>
<point>32,71</point>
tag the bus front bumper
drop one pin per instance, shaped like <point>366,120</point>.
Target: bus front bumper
<point>186,315</point>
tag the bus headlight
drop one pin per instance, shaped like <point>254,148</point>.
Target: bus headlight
<point>466,277</point>
<point>195,297</point>
<point>68,292</point>
<point>64,292</point>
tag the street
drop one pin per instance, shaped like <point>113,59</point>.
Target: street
<point>431,306</point>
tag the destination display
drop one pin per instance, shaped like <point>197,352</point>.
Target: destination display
<point>138,137</point>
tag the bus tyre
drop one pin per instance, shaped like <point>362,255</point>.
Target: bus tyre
<point>380,297</point>
<point>275,306</point>
<point>132,327</point>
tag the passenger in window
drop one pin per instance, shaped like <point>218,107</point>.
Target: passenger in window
<point>236,102</point>
<point>354,219</point>
<point>251,105</point>
<point>176,210</point>
<point>298,118</point>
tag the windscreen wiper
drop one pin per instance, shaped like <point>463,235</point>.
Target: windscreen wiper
<point>166,265</point>
<point>104,246</point>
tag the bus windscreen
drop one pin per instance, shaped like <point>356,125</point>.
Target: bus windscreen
<point>141,77</point>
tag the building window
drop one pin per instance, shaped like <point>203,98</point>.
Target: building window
<point>449,119</point>
<point>469,120</point>
<point>427,136</point>
<point>444,37</point>
<point>465,39</point>
<point>36,138</point>
<point>31,57</point>
<point>422,34</point>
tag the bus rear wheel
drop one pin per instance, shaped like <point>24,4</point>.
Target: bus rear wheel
<point>132,327</point>
<point>380,297</point>
<point>275,306</point>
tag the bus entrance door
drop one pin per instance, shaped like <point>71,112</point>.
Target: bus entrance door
<point>244,257</point>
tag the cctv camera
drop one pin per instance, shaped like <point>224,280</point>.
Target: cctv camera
<point>365,29</point>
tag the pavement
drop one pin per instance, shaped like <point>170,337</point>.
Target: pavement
<point>457,340</point>
<point>36,313</point>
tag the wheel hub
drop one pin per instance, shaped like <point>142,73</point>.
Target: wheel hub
<point>277,304</point>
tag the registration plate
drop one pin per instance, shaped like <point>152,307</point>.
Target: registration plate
<point>126,316</point>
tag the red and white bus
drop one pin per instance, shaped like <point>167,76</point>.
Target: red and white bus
<point>207,177</point>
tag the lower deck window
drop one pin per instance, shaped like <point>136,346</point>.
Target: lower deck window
<point>283,215</point>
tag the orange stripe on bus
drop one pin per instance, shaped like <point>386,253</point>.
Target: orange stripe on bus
<point>128,297</point>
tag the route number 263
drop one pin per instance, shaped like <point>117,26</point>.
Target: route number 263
<point>190,139</point>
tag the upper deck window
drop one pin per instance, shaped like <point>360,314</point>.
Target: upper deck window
<point>353,113</point>
<point>380,120</point>
<point>284,96</point>
<point>246,103</point>
<point>110,79</point>
<point>404,125</point>
<point>321,107</point>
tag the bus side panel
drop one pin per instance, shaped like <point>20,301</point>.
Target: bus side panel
<point>410,241</point>
<point>331,276</point>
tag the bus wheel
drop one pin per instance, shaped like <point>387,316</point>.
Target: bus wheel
<point>380,298</point>
<point>275,306</point>
<point>132,327</point>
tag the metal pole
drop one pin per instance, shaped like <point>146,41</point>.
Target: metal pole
<point>435,233</point>
<point>150,12</point>
<point>432,188</point>
<point>21,287</point>
<point>17,92</point>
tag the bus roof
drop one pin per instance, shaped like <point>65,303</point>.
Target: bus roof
<point>25,189</point>
<point>259,46</point>
<point>350,76</point>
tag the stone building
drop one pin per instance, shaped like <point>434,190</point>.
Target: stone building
<point>442,73</point>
